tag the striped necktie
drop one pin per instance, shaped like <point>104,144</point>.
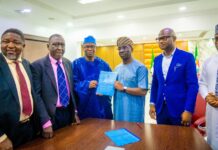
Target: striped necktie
<point>62,86</point>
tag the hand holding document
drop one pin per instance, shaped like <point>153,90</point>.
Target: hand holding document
<point>106,83</point>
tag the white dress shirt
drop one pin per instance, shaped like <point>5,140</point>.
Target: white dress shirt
<point>166,63</point>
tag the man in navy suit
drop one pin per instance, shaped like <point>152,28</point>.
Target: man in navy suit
<point>17,97</point>
<point>174,84</point>
<point>53,83</point>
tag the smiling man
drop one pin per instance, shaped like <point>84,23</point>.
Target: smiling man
<point>52,78</point>
<point>17,100</point>
<point>174,84</point>
<point>86,73</point>
<point>131,85</point>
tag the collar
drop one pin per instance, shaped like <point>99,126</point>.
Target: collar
<point>54,61</point>
<point>171,55</point>
<point>12,61</point>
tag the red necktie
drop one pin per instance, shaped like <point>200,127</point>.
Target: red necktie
<point>27,108</point>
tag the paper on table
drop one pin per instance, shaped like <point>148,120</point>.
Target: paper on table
<point>114,148</point>
<point>122,136</point>
<point>106,83</point>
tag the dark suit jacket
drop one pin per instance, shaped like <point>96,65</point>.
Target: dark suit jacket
<point>180,87</point>
<point>46,89</point>
<point>9,102</point>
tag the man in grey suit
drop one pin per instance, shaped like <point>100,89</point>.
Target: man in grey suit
<point>52,79</point>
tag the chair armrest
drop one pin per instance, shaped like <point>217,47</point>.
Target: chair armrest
<point>200,122</point>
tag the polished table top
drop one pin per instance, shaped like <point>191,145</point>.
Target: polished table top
<point>89,135</point>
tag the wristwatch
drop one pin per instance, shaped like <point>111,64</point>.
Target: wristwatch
<point>124,89</point>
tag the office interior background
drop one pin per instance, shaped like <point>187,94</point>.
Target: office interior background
<point>141,20</point>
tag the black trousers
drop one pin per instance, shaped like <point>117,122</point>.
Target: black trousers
<point>21,133</point>
<point>164,117</point>
<point>63,117</point>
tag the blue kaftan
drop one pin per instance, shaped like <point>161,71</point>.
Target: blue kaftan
<point>130,107</point>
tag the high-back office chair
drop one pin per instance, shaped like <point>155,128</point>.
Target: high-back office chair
<point>198,118</point>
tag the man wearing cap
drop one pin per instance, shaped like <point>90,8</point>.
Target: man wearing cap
<point>209,90</point>
<point>131,85</point>
<point>174,84</point>
<point>53,83</point>
<point>86,73</point>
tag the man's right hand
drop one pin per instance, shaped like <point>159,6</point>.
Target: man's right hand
<point>93,84</point>
<point>6,144</point>
<point>152,112</point>
<point>48,132</point>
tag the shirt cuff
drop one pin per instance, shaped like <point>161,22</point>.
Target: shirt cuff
<point>47,124</point>
<point>152,103</point>
<point>3,137</point>
<point>188,111</point>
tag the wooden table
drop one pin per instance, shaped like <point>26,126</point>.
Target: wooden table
<point>89,135</point>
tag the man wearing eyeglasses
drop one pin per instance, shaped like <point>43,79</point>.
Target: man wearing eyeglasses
<point>53,83</point>
<point>131,85</point>
<point>209,90</point>
<point>86,73</point>
<point>174,85</point>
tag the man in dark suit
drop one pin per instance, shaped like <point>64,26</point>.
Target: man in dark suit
<point>16,93</point>
<point>174,84</point>
<point>52,78</point>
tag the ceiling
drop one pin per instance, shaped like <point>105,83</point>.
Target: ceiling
<point>108,19</point>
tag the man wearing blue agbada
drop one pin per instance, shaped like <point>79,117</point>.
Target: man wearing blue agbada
<point>131,85</point>
<point>86,73</point>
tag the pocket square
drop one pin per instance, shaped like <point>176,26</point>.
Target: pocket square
<point>177,66</point>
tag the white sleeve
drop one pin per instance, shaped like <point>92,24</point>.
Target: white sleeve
<point>203,83</point>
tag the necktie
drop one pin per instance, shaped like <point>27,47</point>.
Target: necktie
<point>27,107</point>
<point>62,86</point>
<point>216,88</point>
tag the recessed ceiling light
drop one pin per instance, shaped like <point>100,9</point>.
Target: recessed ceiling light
<point>183,8</point>
<point>120,16</point>
<point>69,24</point>
<point>24,11</point>
<point>88,1</point>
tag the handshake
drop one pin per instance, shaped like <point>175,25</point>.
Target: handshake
<point>212,99</point>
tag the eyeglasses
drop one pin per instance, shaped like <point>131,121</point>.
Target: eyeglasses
<point>163,38</point>
<point>58,44</point>
<point>89,46</point>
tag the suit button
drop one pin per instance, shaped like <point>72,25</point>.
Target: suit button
<point>165,84</point>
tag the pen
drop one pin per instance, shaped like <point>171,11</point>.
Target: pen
<point>139,125</point>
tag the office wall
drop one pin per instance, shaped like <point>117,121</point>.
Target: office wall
<point>36,47</point>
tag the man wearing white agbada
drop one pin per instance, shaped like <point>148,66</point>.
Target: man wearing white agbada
<point>209,90</point>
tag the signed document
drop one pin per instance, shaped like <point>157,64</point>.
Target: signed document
<point>122,136</point>
<point>106,83</point>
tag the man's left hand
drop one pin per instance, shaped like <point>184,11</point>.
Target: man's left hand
<point>118,86</point>
<point>186,118</point>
